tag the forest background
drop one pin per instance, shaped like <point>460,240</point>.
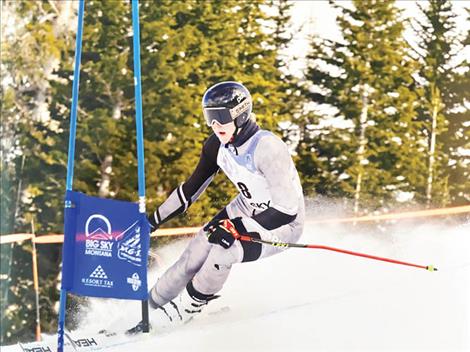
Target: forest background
<point>373,121</point>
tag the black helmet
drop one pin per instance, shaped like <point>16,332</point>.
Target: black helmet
<point>226,102</point>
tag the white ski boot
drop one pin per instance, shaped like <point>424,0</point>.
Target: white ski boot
<point>182,309</point>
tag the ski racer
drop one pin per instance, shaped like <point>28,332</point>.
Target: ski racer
<point>270,206</point>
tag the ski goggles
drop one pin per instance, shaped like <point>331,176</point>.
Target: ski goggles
<point>225,115</point>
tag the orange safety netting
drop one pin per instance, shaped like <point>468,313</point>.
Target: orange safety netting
<point>395,216</point>
<point>59,238</point>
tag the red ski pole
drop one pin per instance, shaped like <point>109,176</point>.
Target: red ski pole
<point>298,245</point>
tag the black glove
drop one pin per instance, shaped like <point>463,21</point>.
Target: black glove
<point>224,232</point>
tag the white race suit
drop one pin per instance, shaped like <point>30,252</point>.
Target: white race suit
<point>270,204</point>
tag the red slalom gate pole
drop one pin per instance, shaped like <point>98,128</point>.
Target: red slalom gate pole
<point>312,246</point>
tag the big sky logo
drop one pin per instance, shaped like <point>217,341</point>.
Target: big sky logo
<point>101,240</point>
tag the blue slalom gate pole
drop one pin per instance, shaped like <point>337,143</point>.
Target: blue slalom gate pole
<point>140,130</point>
<point>138,105</point>
<point>71,157</point>
<point>74,108</point>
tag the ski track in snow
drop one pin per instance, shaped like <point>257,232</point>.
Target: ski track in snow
<point>308,299</point>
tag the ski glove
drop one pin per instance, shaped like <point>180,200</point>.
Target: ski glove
<point>224,232</point>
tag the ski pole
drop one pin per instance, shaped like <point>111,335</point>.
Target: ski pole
<point>313,246</point>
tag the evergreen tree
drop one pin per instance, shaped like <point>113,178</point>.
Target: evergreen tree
<point>369,152</point>
<point>204,42</point>
<point>289,87</point>
<point>457,136</point>
<point>31,52</point>
<point>186,47</point>
<point>443,77</point>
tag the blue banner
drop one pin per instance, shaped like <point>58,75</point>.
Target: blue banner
<point>105,246</point>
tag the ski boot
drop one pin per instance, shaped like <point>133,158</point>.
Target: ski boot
<point>182,309</point>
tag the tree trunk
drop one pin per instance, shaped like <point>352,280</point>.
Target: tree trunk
<point>362,146</point>
<point>432,149</point>
<point>435,103</point>
<point>106,165</point>
<point>106,170</point>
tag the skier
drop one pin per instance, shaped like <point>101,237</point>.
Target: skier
<point>270,206</point>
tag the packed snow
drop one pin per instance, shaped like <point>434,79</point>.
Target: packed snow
<point>317,300</point>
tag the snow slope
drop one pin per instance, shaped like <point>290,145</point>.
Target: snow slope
<point>305,300</point>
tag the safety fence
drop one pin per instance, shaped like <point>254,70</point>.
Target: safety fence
<point>182,231</point>
<point>59,238</point>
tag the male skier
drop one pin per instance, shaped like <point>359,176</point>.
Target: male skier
<point>270,206</point>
